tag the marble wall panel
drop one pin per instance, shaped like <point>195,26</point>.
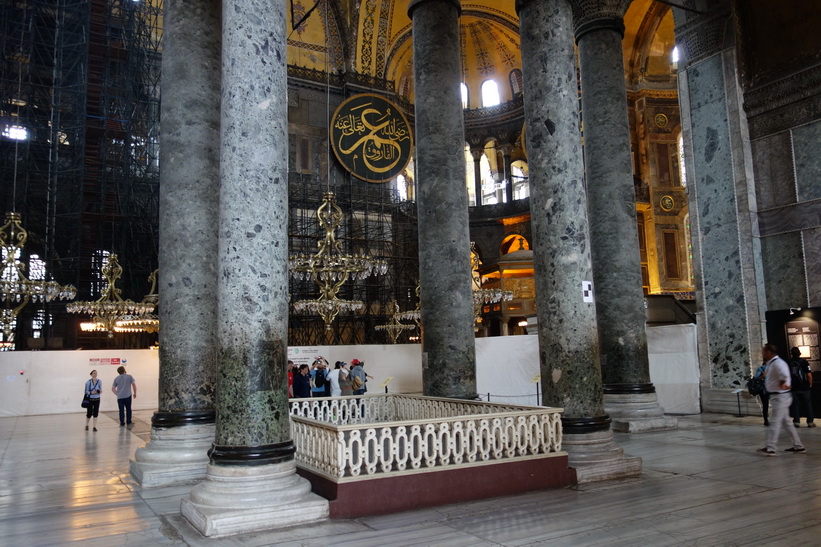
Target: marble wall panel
<point>807,161</point>
<point>812,248</point>
<point>721,262</point>
<point>774,184</point>
<point>782,258</point>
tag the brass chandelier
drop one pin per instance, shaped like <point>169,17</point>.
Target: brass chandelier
<point>16,289</point>
<point>148,322</point>
<point>330,267</point>
<point>482,296</point>
<point>393,327</point>
<point>110,307</point>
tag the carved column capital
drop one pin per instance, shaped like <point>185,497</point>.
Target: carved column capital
<point>703,35</point>
<point>591,15</point>
<point>416,3</point>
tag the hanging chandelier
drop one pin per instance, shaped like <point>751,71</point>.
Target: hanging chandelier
<point>16,289</point>
<point>415,314</point>
<point>147,322</point>
<point>482,296</point>
<point>110,307</point>
<point>393,327</point>
<point>330,267</point>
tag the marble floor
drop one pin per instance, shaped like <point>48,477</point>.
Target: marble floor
<point>702,484</point>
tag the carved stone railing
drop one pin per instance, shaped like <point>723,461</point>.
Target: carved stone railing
<point>372,436</point>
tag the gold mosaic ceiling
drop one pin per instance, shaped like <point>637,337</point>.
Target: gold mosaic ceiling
<point>374,37</point>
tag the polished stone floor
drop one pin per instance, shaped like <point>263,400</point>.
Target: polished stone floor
<point>702,484</point>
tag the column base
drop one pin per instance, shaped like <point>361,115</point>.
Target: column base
<point>597,457</point>
<point>636,412</point>
<point>173,456</point>
<point>236,499</point>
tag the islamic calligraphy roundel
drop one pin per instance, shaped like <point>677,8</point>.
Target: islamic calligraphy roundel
<point>371,137</point>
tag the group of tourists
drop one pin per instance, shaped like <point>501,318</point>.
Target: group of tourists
<point>320,380</point>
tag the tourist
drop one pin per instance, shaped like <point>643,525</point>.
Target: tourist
<point>778,385</point>
<point>333,379</point>
<point>94,387</point>
<point>302,383</point>
<point>122,387</point>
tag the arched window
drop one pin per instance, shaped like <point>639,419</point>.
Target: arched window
<point>490,93</point>
<point>516,81</point>
<point>465,96</point>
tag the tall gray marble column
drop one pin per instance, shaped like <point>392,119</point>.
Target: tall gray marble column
<point>568,339</point>
<point>629,396</point>
<point>507,161</point>
<point>183,427</point>
<point>477,173</point>
<point>448,344</point>
<point>251,481</point>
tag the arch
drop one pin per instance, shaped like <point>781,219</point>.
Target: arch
<point>513,242</point>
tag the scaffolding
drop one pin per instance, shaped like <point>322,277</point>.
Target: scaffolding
<point>79,109</point>
<point>376,223</point>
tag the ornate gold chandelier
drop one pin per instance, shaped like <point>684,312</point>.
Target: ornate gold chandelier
<point>17,290</point>
<point>415,314</point>
<point>110,307</point>
<point>148,322</point>
<point>482,296</point>
<point>330,267</point>
<point>393,327</point>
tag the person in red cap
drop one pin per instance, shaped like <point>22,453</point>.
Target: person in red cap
<point>358,377</point>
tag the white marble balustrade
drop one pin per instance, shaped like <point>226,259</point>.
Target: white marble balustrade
<point>349,438</point>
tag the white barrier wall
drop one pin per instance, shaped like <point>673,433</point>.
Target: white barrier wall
<point>673,352</point>
<point>51,382</point>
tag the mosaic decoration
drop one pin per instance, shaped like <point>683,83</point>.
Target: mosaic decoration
<point>382,36</point>
<point>508,57</point>
<point>371,137</point>
<point>463,40</point>
<point>367,36</point>
<point>483,63</point>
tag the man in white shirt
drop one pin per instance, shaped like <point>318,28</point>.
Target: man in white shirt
<point>777,382</point>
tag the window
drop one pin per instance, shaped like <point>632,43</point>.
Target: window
<point>671,262</point>
<point>15,132</point>
<point>490,93</point>
<point>682,170</point>
<point>465,97</point>
<point>516,81</point>
<point>674,56</point>
<point>98,260</point>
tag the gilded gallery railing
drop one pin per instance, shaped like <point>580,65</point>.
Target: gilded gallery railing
<point>378,435</point>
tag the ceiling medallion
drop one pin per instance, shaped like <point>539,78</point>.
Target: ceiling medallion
<point>371,137</point>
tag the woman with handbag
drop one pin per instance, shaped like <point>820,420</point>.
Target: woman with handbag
<point>94,387</point>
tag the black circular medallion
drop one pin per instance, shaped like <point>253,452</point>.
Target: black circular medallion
<point>371,137</point>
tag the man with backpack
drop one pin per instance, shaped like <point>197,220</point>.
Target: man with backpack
<point>801,385</point>
<point>319,378</point>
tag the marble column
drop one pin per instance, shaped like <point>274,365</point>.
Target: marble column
<point>629,396</point>
<point>183,427</point>
<point>568,339</point>
<point>251,482</point>
<point>448,344</point>
<point>507,153</point>
<point>477,173</point>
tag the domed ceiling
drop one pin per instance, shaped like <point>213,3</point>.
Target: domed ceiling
<point>374,37</point>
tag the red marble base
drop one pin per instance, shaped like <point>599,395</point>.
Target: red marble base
<point>402,493</point>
